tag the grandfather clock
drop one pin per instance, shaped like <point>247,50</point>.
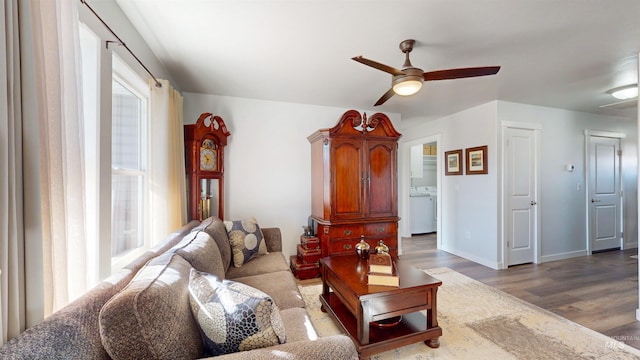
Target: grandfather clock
<point>204,148</point>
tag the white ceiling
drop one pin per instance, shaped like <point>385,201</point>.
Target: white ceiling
<point>557,53</point>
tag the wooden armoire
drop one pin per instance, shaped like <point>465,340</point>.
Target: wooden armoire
<point>354,183</point>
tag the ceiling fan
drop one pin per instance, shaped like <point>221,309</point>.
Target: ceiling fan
<point>409,80</point>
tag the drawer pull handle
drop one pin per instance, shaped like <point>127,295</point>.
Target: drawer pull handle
<point>347,246</point>
<point>326,230</point>
<point>347,232</point>
<point>380,229</point>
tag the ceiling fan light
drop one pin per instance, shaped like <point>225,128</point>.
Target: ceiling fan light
<point>625,92</point>
<point>408,87</point>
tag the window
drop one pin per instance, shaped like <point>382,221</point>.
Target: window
<point>129,117</point>
<point>90,52</point>
<point>128,177</point>
<point>116,117</point>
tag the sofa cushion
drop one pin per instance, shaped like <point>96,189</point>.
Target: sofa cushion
<point>280,285</point>
<point>202,252</point>
<point>246,240</point>
<point>151,317</point>
<point>298,326</point>
<point>216,229</point>
<point>268,263</point>
<point>233,316</point>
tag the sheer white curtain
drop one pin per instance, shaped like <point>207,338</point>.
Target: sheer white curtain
<point>11,223</point>
<point>56,48</point>
<point>167,169</point>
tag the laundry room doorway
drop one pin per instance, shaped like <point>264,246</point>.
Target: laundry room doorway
<point>424,178</point>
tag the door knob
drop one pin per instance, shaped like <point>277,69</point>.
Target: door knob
<point>533,202</point>
<point>594,200</point>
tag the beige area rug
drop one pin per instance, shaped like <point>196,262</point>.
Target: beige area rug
<point>480,322</point>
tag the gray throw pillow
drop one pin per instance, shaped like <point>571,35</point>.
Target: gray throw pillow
<point>247,240</point>
<point>233,316</point>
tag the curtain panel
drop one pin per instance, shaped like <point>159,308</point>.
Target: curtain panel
<point>167,168</point>
<point>12,294</point>
<point>58,82</point>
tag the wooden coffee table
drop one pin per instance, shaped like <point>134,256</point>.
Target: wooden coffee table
<point>361,309</point>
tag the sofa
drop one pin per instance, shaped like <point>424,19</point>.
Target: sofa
<point>146,311</point>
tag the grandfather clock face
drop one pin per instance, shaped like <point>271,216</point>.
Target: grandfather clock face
<point>208,156</point>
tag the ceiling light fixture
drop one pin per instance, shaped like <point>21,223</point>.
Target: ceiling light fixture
<point>407,87</point>
<point>625,92</point>
<point>408,83</point>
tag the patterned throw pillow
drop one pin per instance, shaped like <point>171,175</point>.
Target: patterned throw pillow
<point>233,316</point>
<point>246,240</point>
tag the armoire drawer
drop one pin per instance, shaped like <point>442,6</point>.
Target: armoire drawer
<point>378,229</point>
<point>344,246</point>
<point>346,231</point>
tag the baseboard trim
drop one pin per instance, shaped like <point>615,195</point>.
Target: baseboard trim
<point>563,256</point>
<point>475,259</point>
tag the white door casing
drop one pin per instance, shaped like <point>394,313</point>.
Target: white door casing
<point>604,196</point>
<point>521,185</point>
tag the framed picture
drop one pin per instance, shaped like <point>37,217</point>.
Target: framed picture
<point>477,160</point>
<point>453,162</point>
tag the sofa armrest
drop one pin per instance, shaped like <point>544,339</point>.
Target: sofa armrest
<point>273,238</point>
<point>335,347</point>
<point>71,332</point>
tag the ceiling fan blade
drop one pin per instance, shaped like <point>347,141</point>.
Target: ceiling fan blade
<point>377,65</point>
<point>460,73</point>
<point>385,97</point>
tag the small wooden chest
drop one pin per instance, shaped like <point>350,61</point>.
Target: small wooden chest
<point>310,242</point>
<point>303,270</point>
<point>308,255</point>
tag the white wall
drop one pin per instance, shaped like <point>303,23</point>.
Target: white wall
<point>267,169</point>
<point>469,225</point>
<point>111,13</point>
<point>563,207</point>
<point>470,205</point>
<point>428,172</point>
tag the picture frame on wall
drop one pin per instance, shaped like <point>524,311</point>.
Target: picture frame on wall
<point>453,162</point>
<point>476,160</point>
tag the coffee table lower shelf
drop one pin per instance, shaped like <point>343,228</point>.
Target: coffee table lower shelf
<point>412,329</point>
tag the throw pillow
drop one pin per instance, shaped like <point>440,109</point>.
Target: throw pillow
<point>247,240</point>
<point>233,316</point>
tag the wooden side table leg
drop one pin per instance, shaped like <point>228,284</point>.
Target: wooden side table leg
<point>432,318</point>
<point>433,343</point>
<point>432,314</point>
<point>363,319</point>
<point>325,286</point>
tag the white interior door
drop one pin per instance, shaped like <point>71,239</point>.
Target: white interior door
<point>604,193</point>
<point>521,186</point>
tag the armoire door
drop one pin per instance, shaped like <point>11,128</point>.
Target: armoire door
<point>381,179</point>
<point>347,179</point>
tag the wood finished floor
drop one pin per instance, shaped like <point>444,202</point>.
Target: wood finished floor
<point>599,292</point>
